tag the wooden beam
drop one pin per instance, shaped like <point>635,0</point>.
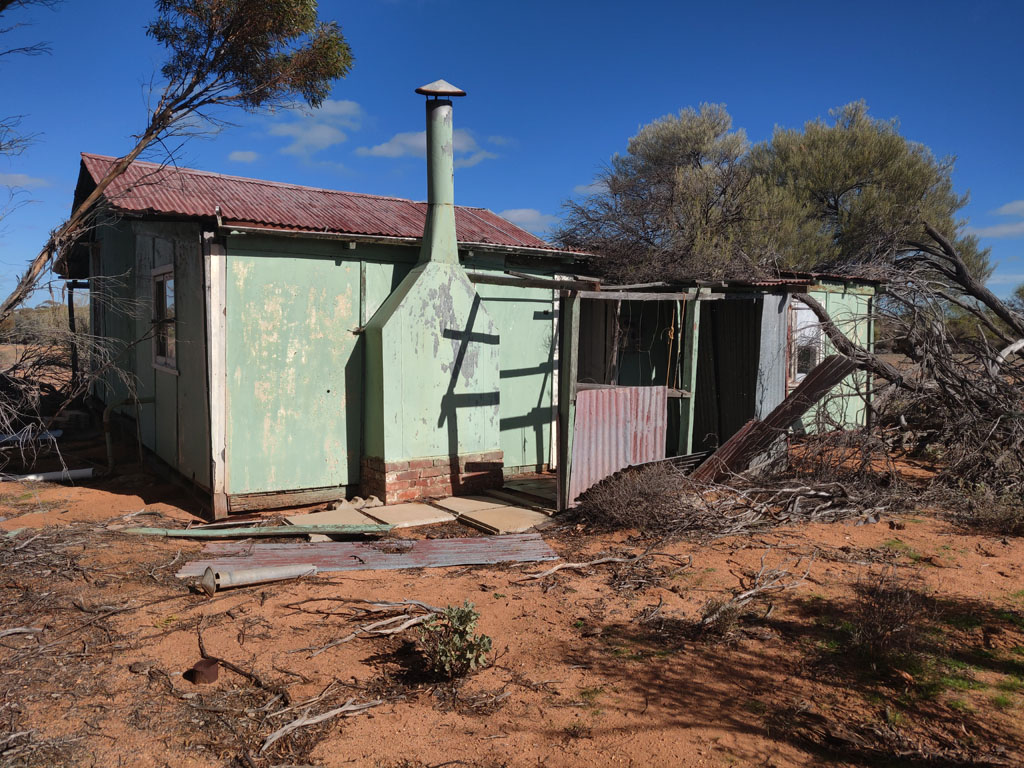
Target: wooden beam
<point>526,282</point>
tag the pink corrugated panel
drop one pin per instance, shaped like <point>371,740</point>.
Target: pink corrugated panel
<point>616,428</point>
<point>148,187</point>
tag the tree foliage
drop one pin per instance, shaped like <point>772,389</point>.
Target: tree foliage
<point>691,198</point>
<point>251,54</point>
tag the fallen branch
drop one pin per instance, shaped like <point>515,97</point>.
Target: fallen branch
<point>765,581</point>
<point>348,709</point>
<point>599,561</point>
<point>381,627</point>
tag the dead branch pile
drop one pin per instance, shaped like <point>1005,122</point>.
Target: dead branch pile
<point>659,500</point>
<point>958,396</point>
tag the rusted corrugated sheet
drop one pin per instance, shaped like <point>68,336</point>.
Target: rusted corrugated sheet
<point>390,554</point>
<point>151,188</point>
<point>615,428</point>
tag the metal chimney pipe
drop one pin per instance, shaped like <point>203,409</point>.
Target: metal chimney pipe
<point>439,239</point>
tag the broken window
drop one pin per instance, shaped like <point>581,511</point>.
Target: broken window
<point>164,319</point>
<point>806,344</point>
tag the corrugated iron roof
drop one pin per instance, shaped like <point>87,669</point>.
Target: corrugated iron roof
<point>168,190</point>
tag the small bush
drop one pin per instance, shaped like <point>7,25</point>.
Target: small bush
<point>719,618</point>
<point>985,511</point>
<point>647,498</point>
<point>450,645</point>
<point>890,618</point>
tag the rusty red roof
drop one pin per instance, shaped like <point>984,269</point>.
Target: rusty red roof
<point>168,190</point>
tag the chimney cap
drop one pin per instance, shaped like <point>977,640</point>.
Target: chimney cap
<point>440,89</point>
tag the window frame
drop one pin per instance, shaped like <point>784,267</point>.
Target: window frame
<point>163,324</point>
<point>797,309</point>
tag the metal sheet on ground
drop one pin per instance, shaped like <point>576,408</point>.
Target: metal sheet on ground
<point>391,554</point>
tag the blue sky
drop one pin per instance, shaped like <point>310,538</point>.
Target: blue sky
<point>555,88</point>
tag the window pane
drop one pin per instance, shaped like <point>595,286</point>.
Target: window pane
<point>168,298</point>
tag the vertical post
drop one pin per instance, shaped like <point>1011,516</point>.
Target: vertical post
<point>74,337</point>
<point>215,279</point>
<point>569,325</point>
<point>688,338</point>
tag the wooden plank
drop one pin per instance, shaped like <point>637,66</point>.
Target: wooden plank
<point>480,278</point>
<point>637,296</point>
<point>240,502</point>
<point>215,279</point>
<point>390,554</point>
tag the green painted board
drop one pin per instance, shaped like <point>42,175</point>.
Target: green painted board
<point>524,319</point>
<point>294,375</point>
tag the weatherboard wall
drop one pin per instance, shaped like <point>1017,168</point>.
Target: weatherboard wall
<point>849,306</point>
<point>297,412</point>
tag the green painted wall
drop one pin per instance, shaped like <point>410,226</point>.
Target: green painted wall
<point>849,307</point>
<point>524,319</point>
<point>293,375</point>
<point>294,300</point>
<point>176,425</point>
<point>432,357</point>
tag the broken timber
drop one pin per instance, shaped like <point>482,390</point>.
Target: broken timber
<point>756,437</point>
<point>391,554</point>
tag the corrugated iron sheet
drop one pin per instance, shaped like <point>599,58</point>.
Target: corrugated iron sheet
<point>615,428</point>
<point>152,188</point>
<point>756,437</point>
<point>389,554</point>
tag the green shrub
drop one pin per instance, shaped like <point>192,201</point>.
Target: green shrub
<point>450,645</point>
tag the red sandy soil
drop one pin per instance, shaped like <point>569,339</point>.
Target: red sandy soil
<point>587,681</point>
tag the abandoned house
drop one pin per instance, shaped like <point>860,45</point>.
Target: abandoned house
<point>290,345</point>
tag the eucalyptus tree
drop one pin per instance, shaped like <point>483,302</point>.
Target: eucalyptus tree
<point>246,54</point>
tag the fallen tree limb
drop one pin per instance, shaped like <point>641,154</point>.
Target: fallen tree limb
<point>600,561</point>
<point>348,709</point>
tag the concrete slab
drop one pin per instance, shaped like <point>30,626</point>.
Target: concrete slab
<point>408,515</point>
<point>344,515</point>
<point>504,519</point>
<point>460,505</point>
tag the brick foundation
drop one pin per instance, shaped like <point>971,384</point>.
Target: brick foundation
<point>396,481</point>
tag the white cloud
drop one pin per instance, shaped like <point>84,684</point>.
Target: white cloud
<point>501,141</point>
<point>593,188</point>
<point>1014,229</point>
<point>21,180</point>
<point>309,137</point>
<point>1015,208</point>
<point>318,129</point>
<point>476,157</point>
<point>343,112</point>
<point>414,144</point>
<point>243,156</point>
<point>529,219</point>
